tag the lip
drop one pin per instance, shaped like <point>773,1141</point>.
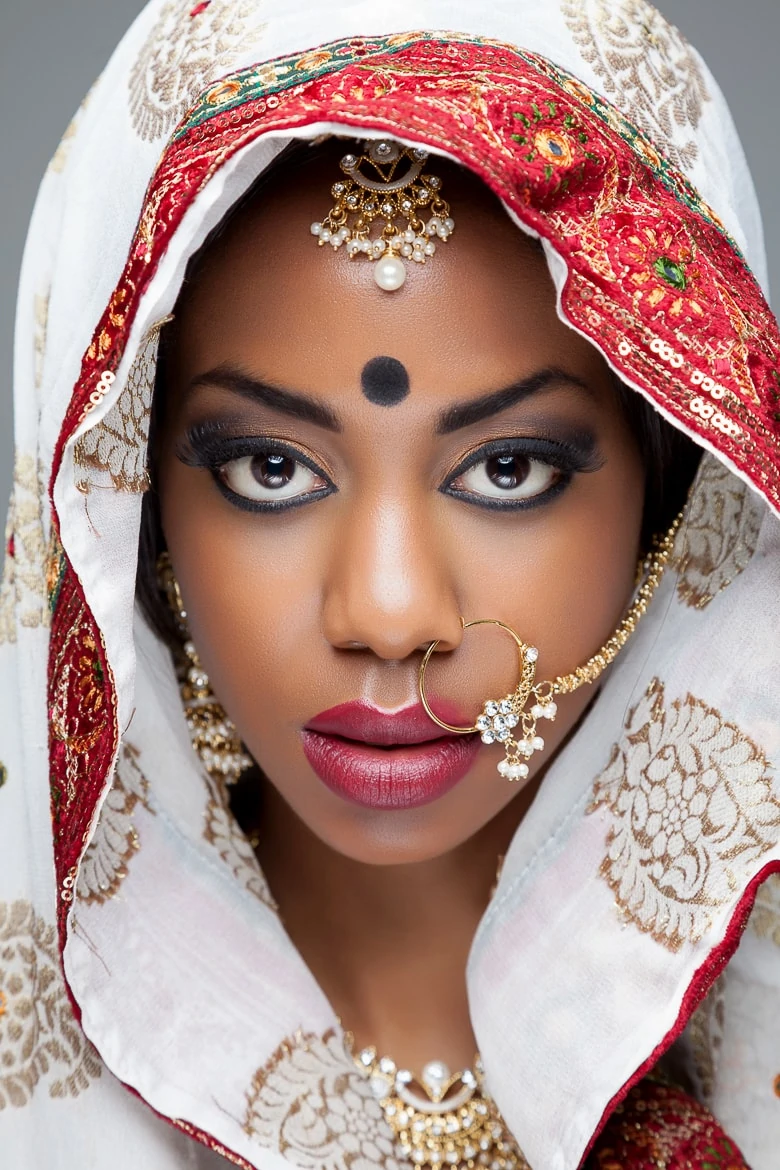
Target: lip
<point>388,759</point>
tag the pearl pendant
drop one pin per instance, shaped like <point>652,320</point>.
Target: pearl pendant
<point>390,273</point>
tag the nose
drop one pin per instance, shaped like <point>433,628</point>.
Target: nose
<point>389,589</point>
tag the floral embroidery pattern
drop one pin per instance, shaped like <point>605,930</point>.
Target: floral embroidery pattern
<point>646,66</point>
<point>312,1104</point>
<point>116,841</point>
<point>719,536</point>
<point>188,46</point>
<point>40,1042</point>
<point>23,588</point>
<point>765,917</point>
<point>222,831</point>
<point>694,811</point>
<point>658,1127</point>
<point>116,446</point>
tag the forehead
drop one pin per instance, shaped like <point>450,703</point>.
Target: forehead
<point>481,311</point>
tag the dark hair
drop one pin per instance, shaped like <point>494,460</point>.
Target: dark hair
<point>670,457</point>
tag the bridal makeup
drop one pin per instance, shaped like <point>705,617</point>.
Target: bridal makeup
<point>341,483</point>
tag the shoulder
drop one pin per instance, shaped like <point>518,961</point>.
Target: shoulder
<point>659,1127</point>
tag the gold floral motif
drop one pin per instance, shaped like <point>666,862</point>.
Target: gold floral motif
<point>116,446</point>
<point>694,811</point>
<point>116,840</point>
<point>189,45</point>
<point>23,599</point>
<point>719,536</point>
<point>222,831</point>
<point>312,1104</point>
<point>41,1043</point>
<point>646,66</point>
<point>765,917</point>
<point>705,1035</point>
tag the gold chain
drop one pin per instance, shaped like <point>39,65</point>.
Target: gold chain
<point>653,570</point>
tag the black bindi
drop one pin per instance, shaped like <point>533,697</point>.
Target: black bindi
<point>385,381</point>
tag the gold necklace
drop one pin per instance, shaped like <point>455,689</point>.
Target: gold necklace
<point>440,1120</point>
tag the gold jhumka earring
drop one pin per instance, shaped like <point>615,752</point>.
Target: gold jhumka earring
<point>386,183</point>
<point>531,701</point>
<point>214,736</point>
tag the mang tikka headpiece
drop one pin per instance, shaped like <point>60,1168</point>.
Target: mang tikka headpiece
<point>386,183</point>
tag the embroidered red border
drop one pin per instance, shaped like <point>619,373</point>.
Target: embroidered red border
<point>647,263</point>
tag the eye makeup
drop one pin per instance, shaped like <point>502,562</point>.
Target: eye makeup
<point>270,463</point>
<point>262,474</point>
<point>513,462</point>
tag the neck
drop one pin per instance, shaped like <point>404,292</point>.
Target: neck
<point>388,944</point>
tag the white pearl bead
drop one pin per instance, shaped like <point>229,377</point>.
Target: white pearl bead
<point>430,248</point>
<point>390,273</point>
<point>316,228</point>
<point>409,236</point>
<point>407,250</point>
<point>433,225</point>
<point>418,256</point>
<point>325,234</point>
<point>449,224</point>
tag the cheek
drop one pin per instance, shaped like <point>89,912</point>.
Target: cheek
<point>250,585</point>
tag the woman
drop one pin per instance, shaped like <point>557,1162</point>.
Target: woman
<point>389,605</point>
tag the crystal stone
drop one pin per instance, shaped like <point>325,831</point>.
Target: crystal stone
<point>531,654</point>
<point>483,723</point>
<point>488,737</point>
<point>505,706</point>
<point>491,708</point>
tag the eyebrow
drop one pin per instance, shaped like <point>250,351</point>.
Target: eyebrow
<point>297,405</point>
<point>290,402</point>
<point>467,413</point>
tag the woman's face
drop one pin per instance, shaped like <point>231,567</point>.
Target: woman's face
<point>345,473</point>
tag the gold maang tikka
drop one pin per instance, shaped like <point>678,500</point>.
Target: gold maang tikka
<point>387,184</point>
<point>214,736</point>
<point>531,701</point>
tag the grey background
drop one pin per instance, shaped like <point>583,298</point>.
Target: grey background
<point>50,53</point>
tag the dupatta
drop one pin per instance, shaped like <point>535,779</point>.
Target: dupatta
<point>140,948</point>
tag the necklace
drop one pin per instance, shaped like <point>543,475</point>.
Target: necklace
<point>441,1119</point>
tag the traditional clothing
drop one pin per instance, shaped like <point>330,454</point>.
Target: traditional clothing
<point>622,921</point>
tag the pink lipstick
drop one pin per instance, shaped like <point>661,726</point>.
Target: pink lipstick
<point>388,759</point>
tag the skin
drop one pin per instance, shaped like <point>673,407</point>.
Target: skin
<point>296,611</point>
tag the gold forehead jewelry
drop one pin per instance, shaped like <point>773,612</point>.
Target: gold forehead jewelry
<point>500,717</point>
<point>441,1119</point>
<point>213,734</point>
<point>386,183</point>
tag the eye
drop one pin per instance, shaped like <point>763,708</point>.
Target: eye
<point>269,476</point>
<point>508,476</point>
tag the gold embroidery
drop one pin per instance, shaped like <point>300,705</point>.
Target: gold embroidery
<point>765,917</point>
<point>116,446</point>
<point>705,1035</point>
<point>222,831</point>
<point>694,811</point>
<point>312,1104</point>
<point>116,840</point>
<point>188,46</point>
<point>40,1041</point>
<point>719,536</point>
<point>41,314</point>
<point>23,588</point>
<point>646,66</point>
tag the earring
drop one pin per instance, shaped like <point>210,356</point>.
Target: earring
<point>214,736</point>
<point>499,717</point>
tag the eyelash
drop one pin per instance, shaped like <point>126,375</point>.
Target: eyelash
<point>569,459</point>
<point>204,446</point>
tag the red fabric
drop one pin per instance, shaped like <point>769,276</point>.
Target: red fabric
<point>659,1127</point>
<point>649,264</point>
